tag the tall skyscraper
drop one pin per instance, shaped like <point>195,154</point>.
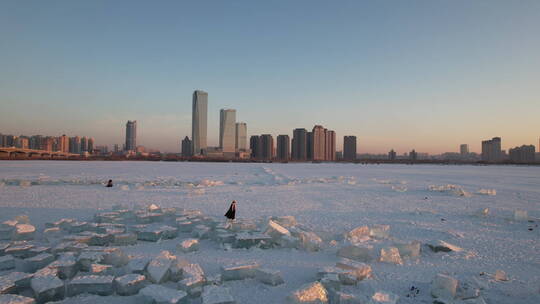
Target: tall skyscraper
<point>91,145</point>
<point>464,149</point>
<point>267,143</point>
<point>63,143</point>
<point>227,130</point>
<point>186,147</point>
<point>199,122</point>
<point>241,136</point>
<point>299,146</point>
<point>35,142</point>
<point>255,144</point>
<point>413,155</point>
<point>319,143</point>
<point>330,145</point>
<point>8,141</point>
<point>491,150</point>
<point>392,155</point>
<point>309,145</point>
<point>283,147</point>
<point>84,144</point>
<point>523,154</point>
<point>75,145</point>
<point>21,142</point>
<point>47,143</point>
<point>349,148</point>
<point>131,135</point>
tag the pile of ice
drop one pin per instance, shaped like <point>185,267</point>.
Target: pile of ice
<point>209,183</point>
<point>349,180</point>
<point>373,243</point>
<point>122,184</point>
<point>450,189</point>
<point>399,188</point>
<point>17,229</point>
<point>72,257</point>
<point>487,192</point>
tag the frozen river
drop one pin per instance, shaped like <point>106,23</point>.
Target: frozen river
<point>329,199</point>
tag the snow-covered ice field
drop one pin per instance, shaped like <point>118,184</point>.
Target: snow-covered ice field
<point>329,199</point>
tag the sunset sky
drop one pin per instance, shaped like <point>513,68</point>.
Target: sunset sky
<point>427,75</point>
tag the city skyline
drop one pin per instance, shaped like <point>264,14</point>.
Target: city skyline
<point>397,76</point>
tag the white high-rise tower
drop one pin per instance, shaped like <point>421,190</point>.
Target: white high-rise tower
<point>241,136</point>
<point>227,130</point>
<point>199,122</point>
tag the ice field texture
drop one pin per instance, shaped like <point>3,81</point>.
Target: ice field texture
<point>453,234</point>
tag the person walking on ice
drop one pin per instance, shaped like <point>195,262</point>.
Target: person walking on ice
<point>231,213</point>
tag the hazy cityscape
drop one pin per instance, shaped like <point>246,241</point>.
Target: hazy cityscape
<point>316,144</point>
<point>269,152</point>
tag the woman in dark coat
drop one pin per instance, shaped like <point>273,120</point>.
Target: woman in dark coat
<point>109,184</point>
<point>231,213</point>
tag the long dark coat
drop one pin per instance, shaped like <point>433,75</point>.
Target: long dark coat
<point>231,213</point>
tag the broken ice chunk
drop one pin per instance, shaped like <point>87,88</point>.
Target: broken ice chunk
<point>444,286</point>
<point>521,215</point>
<point>162,295</point>
<point>390,255</point>
<point>501,275</point>
<point>188,245</point>
<point>248,240</point>
<point>239,271</point>
<point>23,232</point>
<point>379,231</point>
<point>100,269</point>
<point>15,299</point>
<point>129,284</point>
<point>201,232</point>
<point>92,284</point>
<point>66,265</point>
<point>124,239</point>
<point>158,268</point>
<point>487,192</point>
<point>270,277</point>
<point>7,262</point>
<point>384,298</point>
<point>310,241</point>
<point>359,234</point>
<point>276,231</point>
<point>410,250</point>
<point>331,281</point>
<point>357,253</point>
<point>21,250</point>
<point>37,262</point>
<point>309,293</point>
<point>482,212</point>
<point>138,265</point>
<point>358,269</point>
<point>443,246</point>
<point>339,297</point>
<point>193,280</point>
<point>216,295</point>
<point>47,286</point>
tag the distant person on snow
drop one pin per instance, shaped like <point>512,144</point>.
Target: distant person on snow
<point>231,213</point>
<point>109,184</point>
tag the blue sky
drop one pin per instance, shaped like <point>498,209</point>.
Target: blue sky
<point>427,74</point>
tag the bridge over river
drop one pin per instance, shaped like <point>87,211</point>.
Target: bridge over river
<point>20,153</point>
